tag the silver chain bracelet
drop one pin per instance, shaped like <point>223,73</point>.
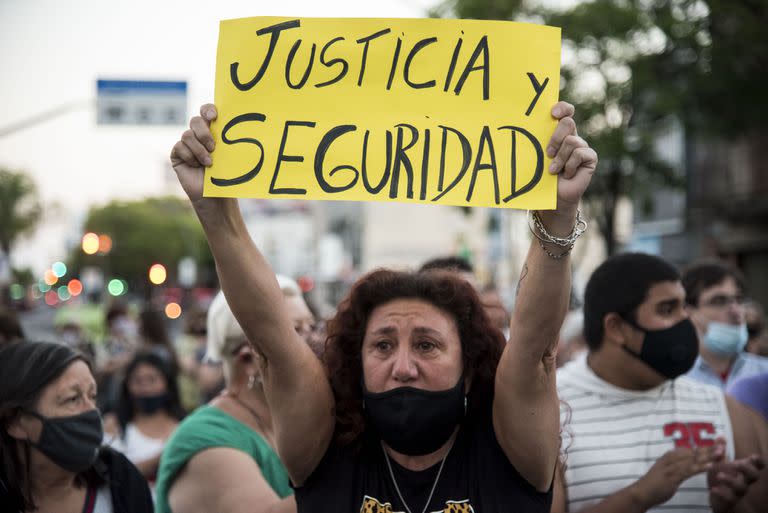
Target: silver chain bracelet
<point>540,232</point>
<point>552,255</point>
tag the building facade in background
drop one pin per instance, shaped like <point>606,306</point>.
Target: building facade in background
<point>722,211</point>
<point>727,207</point>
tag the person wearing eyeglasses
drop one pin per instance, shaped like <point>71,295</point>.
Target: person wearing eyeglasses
<point>638,435</point>
<point>714,293</point>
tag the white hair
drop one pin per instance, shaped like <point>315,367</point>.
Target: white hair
<point>222,325</point>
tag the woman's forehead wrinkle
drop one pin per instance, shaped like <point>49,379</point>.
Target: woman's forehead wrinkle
<point>392,322</point>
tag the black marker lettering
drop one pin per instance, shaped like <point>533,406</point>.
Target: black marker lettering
<point>366,40</point>
<point>538,88</point>
<point>424,166</point>
<point>274,31</point>
<point>333,62</point>
<point>251,116</point>
<point>485,138</point>
<point>408,60</point>
<point>289,62</point>
<point>364,166</point>
<point>466,153</point>
<point>282,157</point>
<point>402,157</point>
<point>513,163</point>
<point>452,66</point>
<point>322,148</point>
<point>481,48</point>
<point>538,172</point>
<point>394,63</point>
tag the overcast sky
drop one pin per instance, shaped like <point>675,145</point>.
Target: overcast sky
<point>52,52</point>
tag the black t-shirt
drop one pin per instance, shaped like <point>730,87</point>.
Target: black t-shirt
<point>477,478</point>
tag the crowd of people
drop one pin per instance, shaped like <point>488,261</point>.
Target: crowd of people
<point>423,392</point>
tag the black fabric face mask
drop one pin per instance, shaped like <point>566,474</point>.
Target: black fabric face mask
<point>71,442</point>
<point>151,404</point>
<point>672,351</point>
<point>413,421</point>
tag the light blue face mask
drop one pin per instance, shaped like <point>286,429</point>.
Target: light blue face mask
<point>726,339</point>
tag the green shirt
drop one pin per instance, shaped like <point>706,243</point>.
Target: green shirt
<point>210,427</point>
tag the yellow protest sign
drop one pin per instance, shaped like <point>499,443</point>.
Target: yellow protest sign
<point>453,112</point>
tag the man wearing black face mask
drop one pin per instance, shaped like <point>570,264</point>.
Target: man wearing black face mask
<point>638,437</point>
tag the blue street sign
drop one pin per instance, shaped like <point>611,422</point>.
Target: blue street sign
<point>141,102</point>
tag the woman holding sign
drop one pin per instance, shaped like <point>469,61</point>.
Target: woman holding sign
<point>423,408</point>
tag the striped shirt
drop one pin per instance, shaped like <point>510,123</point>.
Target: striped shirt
<point>612,436</point>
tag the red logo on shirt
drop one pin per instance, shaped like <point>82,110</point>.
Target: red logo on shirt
<point>691,434</point>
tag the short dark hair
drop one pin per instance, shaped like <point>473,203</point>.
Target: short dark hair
<point>125,411</point>
<point>621,284</point>
<point>26,368</point>
<point>705,274</point>
<point>448,263</point>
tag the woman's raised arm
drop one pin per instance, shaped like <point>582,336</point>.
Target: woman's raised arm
<point>526,410</point>
<point>296,387</point>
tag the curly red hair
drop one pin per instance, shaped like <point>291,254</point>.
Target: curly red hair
<point>481,342</point>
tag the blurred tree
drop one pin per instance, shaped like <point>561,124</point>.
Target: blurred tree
<point>20,208</point>
<point>156,230</point>
<point>23,276</point>
<point>480,9</point>
<point>633,67</point>
<point>602,41</point>
<point>711,65</point>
